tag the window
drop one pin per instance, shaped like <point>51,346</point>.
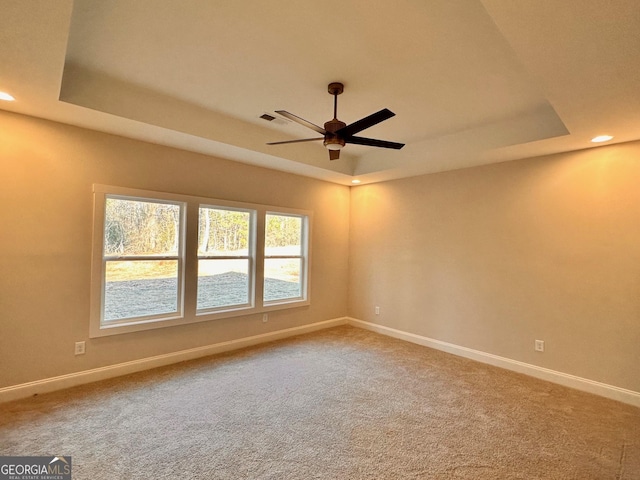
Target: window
<point>284,257</point>
<point>163,259</point>
<point>225,258</point>
<point>142,259</point>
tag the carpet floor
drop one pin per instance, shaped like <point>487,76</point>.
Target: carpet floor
<point>342,403</point>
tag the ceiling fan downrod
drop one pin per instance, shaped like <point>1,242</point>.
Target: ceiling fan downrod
<point>335,89</point>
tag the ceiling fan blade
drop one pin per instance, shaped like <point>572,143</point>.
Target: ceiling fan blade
<point>334,154</point>
<point>302,121</point>
<point>365,123</point>
<point>296,141</point>
<point>372,142</point>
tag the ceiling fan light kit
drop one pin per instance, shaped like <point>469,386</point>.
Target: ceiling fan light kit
<point>337,133</point>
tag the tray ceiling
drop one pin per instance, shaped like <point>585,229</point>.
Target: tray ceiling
<point>471,82</point>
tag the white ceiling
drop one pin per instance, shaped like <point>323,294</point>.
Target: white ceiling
<point>471,81</point>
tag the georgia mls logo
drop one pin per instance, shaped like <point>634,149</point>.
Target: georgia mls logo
<point>57,467</point>
<point>59,459</point>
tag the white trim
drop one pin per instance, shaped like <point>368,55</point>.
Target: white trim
<point>604,390</point>
<point>46,385</point>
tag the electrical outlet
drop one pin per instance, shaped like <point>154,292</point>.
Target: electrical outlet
<point>80,348</point>
<point>265,317</point>
<point>377,310</point>
<point>539,346</point>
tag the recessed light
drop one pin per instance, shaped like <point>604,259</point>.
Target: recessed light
<point>5,96</point>
<point>355,182</point>
<point>601,138</point>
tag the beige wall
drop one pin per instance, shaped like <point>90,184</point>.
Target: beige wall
<point>492,258</point>
<point>488,258</point>
<point>46,173</point>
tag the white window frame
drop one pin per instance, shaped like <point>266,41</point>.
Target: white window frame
<point>188,262</point>
<point>179,258</point>
<point>303,257</point>
<point>250,257</point>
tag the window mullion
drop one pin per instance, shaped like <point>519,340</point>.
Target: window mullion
<point>191,260</point>
<point>259,256</point>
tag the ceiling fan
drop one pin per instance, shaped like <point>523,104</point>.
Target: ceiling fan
<point>337,133</point>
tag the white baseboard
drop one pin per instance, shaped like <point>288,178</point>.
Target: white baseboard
<point>24,390</point>
<point>584,384</point>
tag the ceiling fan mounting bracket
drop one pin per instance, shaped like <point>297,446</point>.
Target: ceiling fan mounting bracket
<point>336,88</point>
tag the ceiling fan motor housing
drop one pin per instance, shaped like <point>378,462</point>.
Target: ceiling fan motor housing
<point>331,140</point>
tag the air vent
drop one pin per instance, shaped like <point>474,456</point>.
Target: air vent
<point>273,119</point>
